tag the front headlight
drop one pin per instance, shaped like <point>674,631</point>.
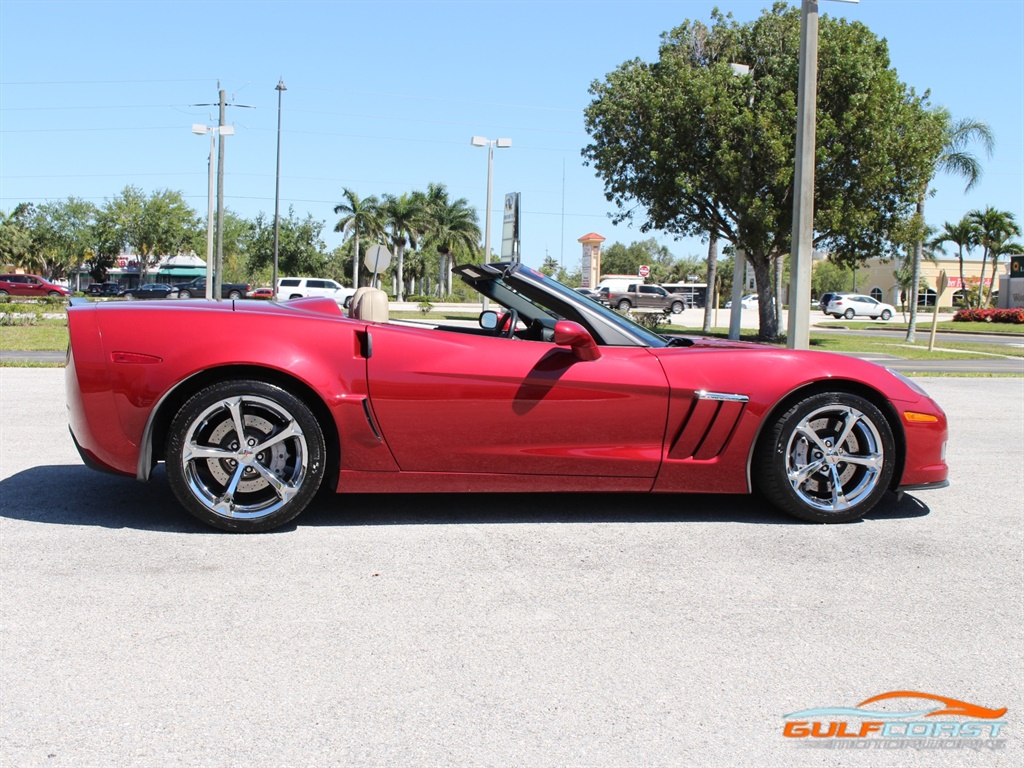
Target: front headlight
<point>912,384</point>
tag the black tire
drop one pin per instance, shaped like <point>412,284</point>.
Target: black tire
<point>800,467</point>
<point>129,296</point>
<point>295,296</point>
<point>245,490</point>
<point>624,306</point>
<point>886,314</point>
<point>849,314</point>
<point>677,307</point>
<point>234,295</point>
<point>185,294</point>
<point>347,302</point>
<point>54,293</point>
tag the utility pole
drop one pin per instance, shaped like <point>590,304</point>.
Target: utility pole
<point>219,269</point>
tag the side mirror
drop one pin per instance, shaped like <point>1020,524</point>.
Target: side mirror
<point>488,320</point>
<point>574,335</point>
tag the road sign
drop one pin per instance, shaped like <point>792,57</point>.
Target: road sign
<point>644,271</point>
<point>378,258</point>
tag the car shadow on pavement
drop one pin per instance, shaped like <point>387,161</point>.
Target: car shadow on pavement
<point>76,495</point>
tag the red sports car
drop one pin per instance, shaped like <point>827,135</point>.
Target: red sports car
<point>253,405</point>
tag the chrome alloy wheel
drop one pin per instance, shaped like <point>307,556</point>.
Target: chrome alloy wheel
<point>834,458</point>
<point>244,457</point>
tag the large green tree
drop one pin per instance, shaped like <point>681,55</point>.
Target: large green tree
<point>155,225</point>
<point>686,146</point>
<point>964,235</point>
<point>995,228</point>
<point>403,217</point>
<point>359,216</point>
<point>449,227</point>
<point>16,247</point>
<point>301,249</point>
<point>954,157</point>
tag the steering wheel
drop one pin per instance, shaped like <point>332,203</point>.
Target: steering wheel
<point>512,318</point>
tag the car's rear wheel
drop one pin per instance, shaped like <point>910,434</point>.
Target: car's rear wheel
<point>849,314</point>
<point>245,456</point>
<point>886,314</point>
<point>234,295</point>
<point>828,459</point>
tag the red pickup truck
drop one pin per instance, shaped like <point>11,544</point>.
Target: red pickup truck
<point>640,296</point>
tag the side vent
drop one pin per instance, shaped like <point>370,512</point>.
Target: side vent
<point>708,426</point>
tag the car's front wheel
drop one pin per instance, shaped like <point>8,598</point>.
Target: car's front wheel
<point>886,314</point>
<point>245,456</point>
<point>677,307</point>
<point>828,459</point>
<point>185,294</point>
<point>624,306</point>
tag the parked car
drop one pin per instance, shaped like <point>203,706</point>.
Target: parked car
<point>281,398</point>
<point>109,288</point>
<point>262,293</point>
<point>196,289</point>
<point>589,293</point>
<point>150,291</point>
<point>30,285</point>
<point>750,301</point>
<point>850,305</point>
<point>300,287</point>
<point>825,298</point>
<point>641,296</point>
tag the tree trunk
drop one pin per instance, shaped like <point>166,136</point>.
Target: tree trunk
<point>778,263</point>
<point>981,281</point>
<point>768,327</point>
<point>355,262</point>
<point>400,295</point>
<point>915,280</point>
<point>709,295</point>
<point>963,281</point>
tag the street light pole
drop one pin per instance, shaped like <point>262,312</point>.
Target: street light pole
<point>802,248</point>
<point>480,141</point>
<point>212,268</point>
<point>277,186</point>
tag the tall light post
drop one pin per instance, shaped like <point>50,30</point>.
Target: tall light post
<point>480,141</point>
<point>277,185</point>
<point>199,129</point>
<point>802,248</point>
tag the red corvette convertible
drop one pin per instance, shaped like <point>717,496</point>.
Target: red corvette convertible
<point>253,405</point>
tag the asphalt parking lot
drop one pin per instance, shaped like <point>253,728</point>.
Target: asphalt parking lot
<point>496,630</point>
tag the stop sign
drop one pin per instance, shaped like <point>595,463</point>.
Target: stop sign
<point>644,271</point>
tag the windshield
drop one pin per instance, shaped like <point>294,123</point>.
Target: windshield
<point>536,296</point>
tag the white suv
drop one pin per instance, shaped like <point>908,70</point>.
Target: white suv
<point>849,305</point>
<point>297,287</point>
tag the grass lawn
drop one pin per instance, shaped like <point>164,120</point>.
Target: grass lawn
<point>924,325</point>
<point>46,336</point>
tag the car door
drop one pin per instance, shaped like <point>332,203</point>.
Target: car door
<point>460,402</point>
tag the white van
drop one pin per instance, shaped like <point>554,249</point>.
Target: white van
<point>298,287</point>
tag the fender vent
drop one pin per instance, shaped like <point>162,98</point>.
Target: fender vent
<point>708,426</point>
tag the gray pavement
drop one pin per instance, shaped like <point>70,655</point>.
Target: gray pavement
<point>592,630</point>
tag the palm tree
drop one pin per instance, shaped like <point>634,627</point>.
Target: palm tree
<point>358,216</point>
<point>451,225</point>
<point>963,234</point>
<point>954,158</point>
<point>995,230</point>
<point>404,217</point>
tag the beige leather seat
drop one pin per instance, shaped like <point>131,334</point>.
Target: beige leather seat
<point>369,304</point>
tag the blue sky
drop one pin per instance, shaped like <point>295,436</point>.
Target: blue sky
<point>384,96</point>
